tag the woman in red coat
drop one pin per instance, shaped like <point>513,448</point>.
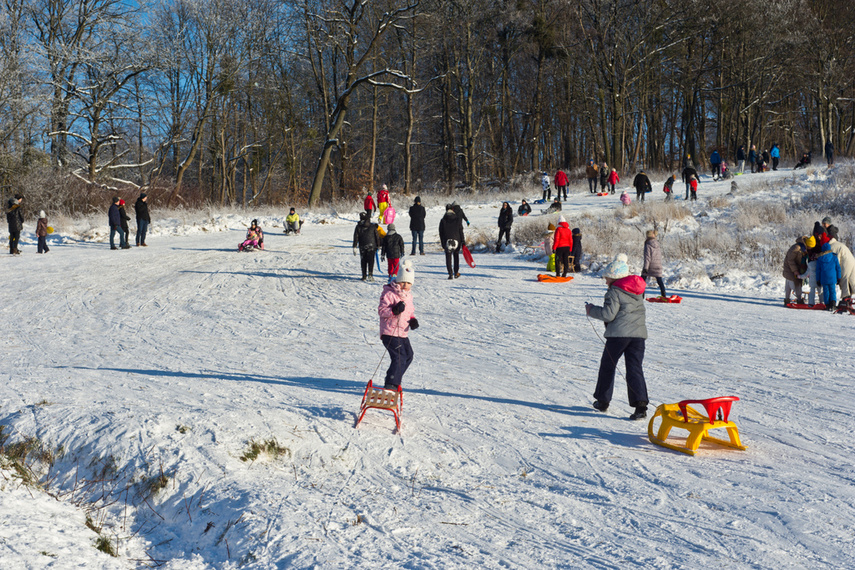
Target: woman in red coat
<point>561,183</point>
<point>562,244</point>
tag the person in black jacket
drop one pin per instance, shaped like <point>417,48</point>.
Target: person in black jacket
<point>15,220</point>
<point>124,219</point>
<point>576,252</point>
<point>392,250</point>
<point>143,219</point>
<point>417,225</point>
<point>642,185</point>
<point>687,175</point>
<point>451,239</point>
<point>506,219</point>
<point>115,221</point>
<point>740,158</point>
<point>458,211</point>
<point>829,152</point>
<point>524,209</point>
<point>367,239</point>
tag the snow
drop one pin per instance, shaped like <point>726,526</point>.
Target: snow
<point>168,360</point>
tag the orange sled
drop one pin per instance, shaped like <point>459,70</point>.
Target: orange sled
<point>382,399</point>
<point>544,278</point>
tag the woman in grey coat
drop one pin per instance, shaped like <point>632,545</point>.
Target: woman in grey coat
<point>653,261</point>
<point>626,329</point>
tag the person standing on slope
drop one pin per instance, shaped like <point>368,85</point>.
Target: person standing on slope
<point>715,164</point>
<point>775,153</point>
<point>626,330</point>
<point>368,204</point>
<point>740,158</point>
<point>115,221</point>
<point>688,173</point>
<point>506,220</point>
<point>125,218</point>
<point>592,172</point>
<point>561,184</point>
<point>642,185</point>
<point>15,221</point>
<point>392,251</point>
<point>653,261</point>
<point>451,239</point>
<point>397,318</point>
<point>143,218</point>
<point>366,240</point>
<point>417,225</point>
<point>829,152</point>
<point>604,177</point>
<point>753,157</point>
<point>613,180</point>
<point>562,245</point>
<point>544,182</point>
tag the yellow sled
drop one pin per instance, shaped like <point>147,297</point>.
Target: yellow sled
<point>681,416</point>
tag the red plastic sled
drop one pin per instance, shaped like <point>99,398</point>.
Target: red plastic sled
<point>817,307</point>
<point>671,299</point>
<point>602,193</point>
<point>467,255</point>
<point>544,278</point>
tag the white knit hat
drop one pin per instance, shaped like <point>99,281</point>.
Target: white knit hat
<point>617,269</point>
<point>406,273</point>
<point>561,219</point>
<point>42,214</point>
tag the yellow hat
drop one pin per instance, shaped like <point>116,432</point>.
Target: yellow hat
<point>810,242</point>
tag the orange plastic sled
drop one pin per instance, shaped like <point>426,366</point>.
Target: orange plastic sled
<point>544,278</point>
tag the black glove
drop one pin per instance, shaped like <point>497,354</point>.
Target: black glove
<point>398,308</point>
<point>414,323</point>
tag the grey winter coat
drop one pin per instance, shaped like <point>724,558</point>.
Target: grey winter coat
<point>652,258</point>
<point>623,310</point>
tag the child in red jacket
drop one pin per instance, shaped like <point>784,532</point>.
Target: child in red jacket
<point>613,179</point>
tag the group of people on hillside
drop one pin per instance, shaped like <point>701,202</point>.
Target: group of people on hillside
<point>15,222</point>
<point>825,263</point>
<point>118,220</point>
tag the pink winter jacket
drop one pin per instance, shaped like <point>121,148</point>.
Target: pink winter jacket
<point>390,324</point>
<point>389,215</point>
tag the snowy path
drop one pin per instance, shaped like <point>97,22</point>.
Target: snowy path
<point>174,356</point>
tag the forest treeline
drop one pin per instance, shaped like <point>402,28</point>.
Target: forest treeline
<point>270,102</point>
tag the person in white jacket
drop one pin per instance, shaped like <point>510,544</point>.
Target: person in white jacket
<point>847,263</point>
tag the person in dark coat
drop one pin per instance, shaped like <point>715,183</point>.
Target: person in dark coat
<point>506,219</point>
<point>524,209</point>
<point>15,220</point>
<point>451,239</point>
<point>767,158</point>
<point>392,250</point>
<point>740,158</point>
<point>653,261</point>
<point>417,225</point>
<point>114,218</point>
<point>124,218</point>
<point>41,233</point>
<point>461,217</point>
<point>576,250</point>
<point>715,164</point>
<point>143,219</point>
<point>687,175</point>
<point>555,206</point>
<point>604,177</point>
<point>642,185</point>
<point>668,188</point>
<point>626,330</point>
<point>366,241</point>
<point>829,152</point>
<point>753,157</point>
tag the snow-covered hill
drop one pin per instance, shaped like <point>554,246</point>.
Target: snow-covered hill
<point>155,368</point>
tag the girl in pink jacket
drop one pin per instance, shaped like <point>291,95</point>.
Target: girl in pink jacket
<point>397,318</point>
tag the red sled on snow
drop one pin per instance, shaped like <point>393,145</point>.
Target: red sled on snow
<point>381,399</point>
<point>467,255</point>
<point>602,193</point>
<point>660,299</point>
<point>846,306</point>
<point>545,278</point>
<point>817,307</point>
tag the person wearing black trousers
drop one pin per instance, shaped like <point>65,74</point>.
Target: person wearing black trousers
<point>451,238</point>
<point>506,219</point>
<point>626,331</point>
<point>417,225</point>
<point>366,241</point>
<point>642,185</point>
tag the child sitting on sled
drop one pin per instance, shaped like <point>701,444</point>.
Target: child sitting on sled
<point>254,238</point>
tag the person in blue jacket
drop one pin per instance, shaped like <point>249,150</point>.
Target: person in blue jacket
<point>827,275</point>
<point>752,157</point>
<point>775,153</point>
<point>715,163</point>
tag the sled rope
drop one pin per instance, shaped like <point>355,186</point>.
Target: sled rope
<point>604,344</point>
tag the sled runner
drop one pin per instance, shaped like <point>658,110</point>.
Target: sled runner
<point>467,255</point>
<point>381,399</point>
<point>681,416</point>
<point>671,299</point>
<point>544,278</point>
<point>817,307</point>
<point>846,306</point>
